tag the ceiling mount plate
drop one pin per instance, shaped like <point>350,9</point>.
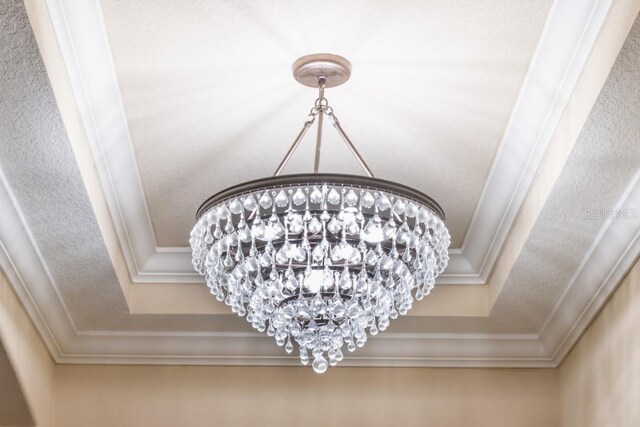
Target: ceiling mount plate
<point>334,68</point>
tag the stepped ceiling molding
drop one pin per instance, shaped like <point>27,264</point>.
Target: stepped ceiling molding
<point>510,114</point>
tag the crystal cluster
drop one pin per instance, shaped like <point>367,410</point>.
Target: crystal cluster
<point>318,266</point>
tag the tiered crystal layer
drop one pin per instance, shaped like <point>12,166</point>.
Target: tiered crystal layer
<point>318,265</point>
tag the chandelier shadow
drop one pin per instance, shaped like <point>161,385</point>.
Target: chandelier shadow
<point>320,260</point>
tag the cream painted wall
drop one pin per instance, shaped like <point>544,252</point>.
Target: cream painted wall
<point>195,396</point>
<point>29,358</point>
<point>600,379</point>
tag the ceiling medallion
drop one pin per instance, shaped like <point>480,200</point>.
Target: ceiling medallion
<point>318,260</point>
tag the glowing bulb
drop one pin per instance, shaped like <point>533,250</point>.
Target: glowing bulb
<point>317,279</point>
<point>314,280</point>
<point>372,233</point>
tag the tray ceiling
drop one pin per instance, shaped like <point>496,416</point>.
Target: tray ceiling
<point>498,128</point>
<point>210,100</point>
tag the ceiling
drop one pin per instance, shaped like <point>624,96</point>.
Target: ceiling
<point>207,89</point>
<point>520,118</point>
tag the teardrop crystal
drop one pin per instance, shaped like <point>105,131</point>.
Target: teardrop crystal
<point>235,206</point>
<point>351,198</point>
<point>399,207</point>
<point>281,199</point>
<point>333,197</point>
<point>320,365</point>
<point>318,253</point>
<point>334,226</point>
<point>265,200</point>
<point>384,203</point>
<point>244,234</point>
<point>367,200</point>
<point>250,203</point>
<point>299,197</point>
<point>315,226</point>
<point>295,224</point>
<point>371,258</point>
<point>412,210</point>
<point>316,196</point>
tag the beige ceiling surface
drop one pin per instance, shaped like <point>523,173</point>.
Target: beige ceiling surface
<point>210,100</point>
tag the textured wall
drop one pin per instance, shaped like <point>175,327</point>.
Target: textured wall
<point>26,370</point>
<point>600,379</point>
<point>163,396</point>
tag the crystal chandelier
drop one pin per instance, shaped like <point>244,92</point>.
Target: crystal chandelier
<point>318,260</point>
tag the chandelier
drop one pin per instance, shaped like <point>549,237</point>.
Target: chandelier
<point>319,261</point>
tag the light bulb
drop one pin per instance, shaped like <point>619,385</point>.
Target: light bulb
<point>315,280</point>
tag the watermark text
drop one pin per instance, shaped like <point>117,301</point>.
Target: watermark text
<point>623,213</point>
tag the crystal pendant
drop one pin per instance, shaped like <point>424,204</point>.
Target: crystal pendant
<point>265,200</point>
<point>333,197</point>
<point>367,200</point>
<point>320,365</point>
<point>299,197</point>
<point>250,204</point>
<point>281,199</point>
<point>316,196</point>
<point>315,226</point>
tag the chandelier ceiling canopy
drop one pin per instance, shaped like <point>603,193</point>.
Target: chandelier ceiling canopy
<point>320,260</point>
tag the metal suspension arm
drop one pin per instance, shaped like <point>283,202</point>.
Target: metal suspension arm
<point>316,161</point>
<point>295,144</point>
<point>352,147</point>
<point>321,102</point>
<point>320,109</point>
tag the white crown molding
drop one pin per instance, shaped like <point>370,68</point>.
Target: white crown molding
<point>388,350</point>
<point>566,41</point>
<point>613,252</point>
<point>28,274</point>
<point>617,245</point>
<point>82,40</point>
<point>24,267</point>
<point>568,37</point>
